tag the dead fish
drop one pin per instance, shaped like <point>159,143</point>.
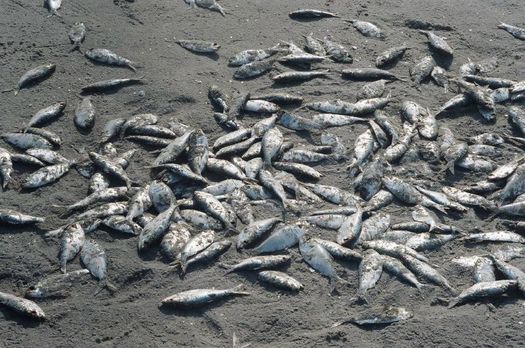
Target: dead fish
<point>261,106</point>
<point>213,207</point>
<point>13,217</point>
<point>350,229</point>
<point>515,185</point>
<point>77,34</point>
<point>374,89</point>
<point>487,139</point>
<point>390,56</point>
<point>211,5</point>
<point>491,82</point>
<point>22,306</point>
<point>94,259</point>
<point>6,167</point>
<point>72,241</point>
<point>249,56</point>
<point>121,224</point>
<point>253,69</point>
<point>200,220</point>
<point>225,120</point>
<point>280,280</point>
<point>279,98</point>
<point>298,169</point>
<point>33,76</point>
<point>475,163</point>
<point>494,236</point>
<point>368,74</point>
<point>298,123</point>
<point>110,167</point>
<point>53,6</point>
<point>424,270</point>
<point>337,52</point>
<point>454,154</point>
<point>139,203</point>
<point>367,29</point>
<point>326,221</point>
<point>380,200</point>
<point>174,240</point>
<point>225,168</point>
<point>484,270</point>
<point>296,76</point>
<point>218,98</point>
<point>517,32</point>
<point>260,262</point>
<point>55,285</point>
<point>438,43</point>
<point>374,227</point>
<point>155,229</point>
<point>253,232</point>
<point>422,69</point>
<point>338,251</point>
<point>46,115</point>
<point>396,268</point>
<point>84,117</point>
<point>393,249</point>
<point>334,194</point>
<point>310,14</point>
<point>313,45</point>
<point>174,149</point>
<point>370,270</point>
<point>320,260</point>
<point>440,77</point>
<point>301,59</point>
<point>161,196</point>
<point>467,198</point>
<point>283,238</point>
<point>369,182</point>
<point>212,252</point>
<point>268,181</point>
<point>198,151</point>
<point>429,241</point>
<point>271,143</point>
<point>105,56</point>
<point>201,297</point>
<point>107,85</point>
<point>112,129</point>
<point>199,46</point>
<point>107,195</point>
<point>385,316</point>
<point>46,175</point>
<point>482,291</point>
<point>194,246</point>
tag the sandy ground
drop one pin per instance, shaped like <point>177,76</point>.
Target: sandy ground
<point>177,85</point>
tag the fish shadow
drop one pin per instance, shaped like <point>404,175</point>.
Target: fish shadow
<point>25,322</point>
<point>111,65</point>
<point>212,55</point>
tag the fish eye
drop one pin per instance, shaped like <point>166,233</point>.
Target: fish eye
<point>32,287</point>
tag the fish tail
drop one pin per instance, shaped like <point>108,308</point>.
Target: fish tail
<point>132,68</point>
<point>112,288</point>
<point>9,90</point>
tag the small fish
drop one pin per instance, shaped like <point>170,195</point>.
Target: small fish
<point>517,32</point>
<point>384,316</point>
<point>260,262</point>
<point>253,69</point>
<point>298,76</point>
<point>47,114</point>
<point>367,29</point>
<point>313,45</point>
<point>201,297</point>
<point>368,74</point>
<point>55,285</point>
<point>370,270</point>
<point>280,280</point>
<point>199,46</point>
<point>422,69</point>
<point>212,252</point>
<point>22,306</point>
<point>213,207</point>
<point>94,259</point>
<point>72,241</point>
<point>494,236</point>
<point>46,175</point>
<point>218,98</point>
<point>174,240</point>
<point>33,76</point>
<point>261,106</point>
<point>13,217</point>
<point>390,56</point>
<point>84,118</point>
<point>284,237</point>
<point>200,220</point>
<point>482,291</point>
<point>155,229</point>
<point>76,35</point>
<point>337,52</point>
<point>108,85</point>
<point>211,5</point>
<point>320,260</point>
<point>6,167</point>
<point>437,43</point>
<point>105,56</point>
<point>310,14</point>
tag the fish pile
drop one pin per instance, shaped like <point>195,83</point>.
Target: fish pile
<point>256,188</point>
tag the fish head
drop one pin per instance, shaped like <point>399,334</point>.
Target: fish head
<point>34,292</point>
